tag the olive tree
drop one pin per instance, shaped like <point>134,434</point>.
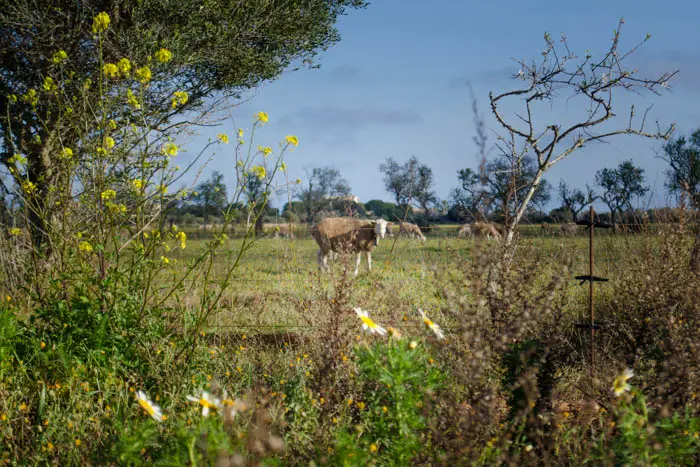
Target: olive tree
<point>54,58</point>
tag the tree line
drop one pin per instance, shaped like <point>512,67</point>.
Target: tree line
<point>483,194</point>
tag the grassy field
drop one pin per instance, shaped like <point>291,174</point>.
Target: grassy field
<point>509,383</point>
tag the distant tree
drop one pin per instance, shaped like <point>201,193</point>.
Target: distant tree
<point>423,192</point>
<point>572,199</point>
<point>683,158</point>
<point>385,210</point>
<point>322,185</point>
<point>409,182</point>
<point>562,75</point>
<point>619,186</point>
<point>210,195</point>
<point>471,198</point>
<point>509,181</point>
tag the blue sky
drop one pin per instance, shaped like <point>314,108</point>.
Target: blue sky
<point>395,86</point>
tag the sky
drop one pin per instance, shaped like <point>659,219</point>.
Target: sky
<point>396,85</point>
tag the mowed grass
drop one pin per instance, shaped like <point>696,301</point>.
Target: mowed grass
<point>278,281</point>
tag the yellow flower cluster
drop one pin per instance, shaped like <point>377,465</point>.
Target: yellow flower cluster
<point>100,23</point>
<point>108,142</point>
<point>108,195</point>
<point>85,247</point>
<point>182,237</point>
<point>223,137</point>
<point>266,151</point>
<point>67,153</point>
<point>132,100</point>
<point>179,98</point>
<point>259,171</point>
<point>261,117</point>
<point>137,184</point>
<point>31,97</point>
<point>163,55</point>
<point>110,70</point>
<point>60,56</point>
<point>291,139</point>
<point>116,208</point>
<point>169,149</point>
<point>49,84</point>
<point>29,187</point>
<point>143,75</point>
<point>283,167</point>
<point>15,231</point>
<point>124,66</point>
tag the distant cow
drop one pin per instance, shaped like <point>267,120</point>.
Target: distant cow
<point>568,229</point>
<point>464,231</point>
<point>346,235</point>
<point>283,230</point>
<point>410,230</point>
<point>485,230</point>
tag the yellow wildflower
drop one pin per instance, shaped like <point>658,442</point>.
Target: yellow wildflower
<point>261,117</point>
<point>15,231</point>
<point>373,448</point>
<point>169,149</point>
<point>259,171</point>
<point>620,384</point>
<point>49,84</point>
<point>291,139</point>
<point>433,327</point>
<point>223,137</point>
<point>266,151</point>
<point>59,56</point>
<point>143,75</point>
<point>165,260</point>
<point>13,98</point>
<point>85,247</point>
<point>110,70</point>
<point>108,194</point>
<point>163,189</point>
<point>132,100</point>
<point>100,23</point>
<point>163,55</point>
<point>31,97</point>
<point>67,153</point>
<point>180,98</point>
<point>116,208</point>
<point>124,66</point>
<point>29,187</point>
<point>283,166</point>
<point>150,408</point>
<point>87,84</point>
<point>298,181</point>
<point>109,142</point>
<point>182,237</point>
<point>368,324</point>
<point>413,345</point>
<point>137,184</point>
<point>78,443</point>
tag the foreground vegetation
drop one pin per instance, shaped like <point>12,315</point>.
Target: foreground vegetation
<point>297,378</point>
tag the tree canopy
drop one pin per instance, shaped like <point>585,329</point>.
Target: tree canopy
<point>620,185</point>
<point>166,56</point>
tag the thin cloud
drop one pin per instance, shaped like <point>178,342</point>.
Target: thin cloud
<point>337,118</point>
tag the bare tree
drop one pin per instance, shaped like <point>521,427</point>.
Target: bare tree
<point>560,74</point>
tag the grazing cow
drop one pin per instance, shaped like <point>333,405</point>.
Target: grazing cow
<point>464,231</point>
<point>346,235</point>
<point>569,229</point>
<point>410,230</point>
<point>486,230</point>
